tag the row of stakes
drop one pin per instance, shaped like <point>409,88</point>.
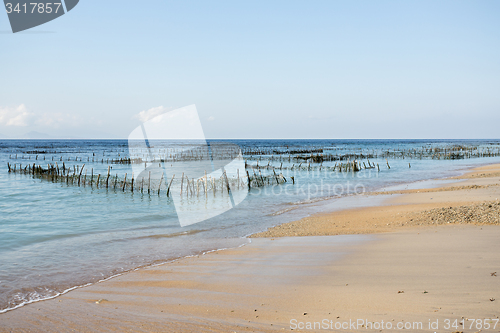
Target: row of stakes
<point>340,167</point>
<point>436,153</point>
<point>76,175</point>
<point>332,154</point>
<point>353,166</point>
<point>188,187</point>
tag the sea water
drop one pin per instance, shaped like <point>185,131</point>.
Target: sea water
<point>55,236</point>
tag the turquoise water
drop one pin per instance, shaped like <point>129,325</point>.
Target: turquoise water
<point>55,236</point>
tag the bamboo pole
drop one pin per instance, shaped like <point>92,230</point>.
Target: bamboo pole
<point>276,177</point>
<point>80,175</point>
<point>107,177</point>
<point>161,180</point>
<point>188,191</point>
<point>132,184</point>
<point>206,185</point>
<point>182,182</point>
<point>256,179</point>
<point>170,184</point>
<point>227,182</point>
<point>261,178</point>
<point>248,177</point>
<point>124,183</point>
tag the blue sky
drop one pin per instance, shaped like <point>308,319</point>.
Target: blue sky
<point>258,69</point>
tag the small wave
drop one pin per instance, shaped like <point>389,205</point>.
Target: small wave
<point>37,297</point>
<point>175,234</point>
<point>296,204</point>
<point>313,200</point>
<point>34,297</point>
<point>283,211</point>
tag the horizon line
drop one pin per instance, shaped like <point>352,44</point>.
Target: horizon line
<point>69,138</point>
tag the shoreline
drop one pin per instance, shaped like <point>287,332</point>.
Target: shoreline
<point>420,199</point>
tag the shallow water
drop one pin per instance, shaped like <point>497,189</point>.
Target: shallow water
<point>55,236</point>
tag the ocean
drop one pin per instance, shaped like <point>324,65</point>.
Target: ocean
<point>56,236</point>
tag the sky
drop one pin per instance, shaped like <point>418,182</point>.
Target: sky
<point>258,69</point>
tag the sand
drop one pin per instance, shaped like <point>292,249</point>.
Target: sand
<point>407,208</point>
<point>389,263</point>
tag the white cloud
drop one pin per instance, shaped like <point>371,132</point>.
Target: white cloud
<point>15,116</point>
<point>211,118</point>
<point>146,115</point>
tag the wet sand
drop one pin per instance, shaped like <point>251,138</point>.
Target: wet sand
<point>389,263</point>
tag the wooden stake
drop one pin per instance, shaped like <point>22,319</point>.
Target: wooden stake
<point>182,182</point>
<point>124,183</point>
<point>188,188</point>
<point>276,177</point>
<point>80,175</point>
<point>149,183</point>
<point>107,177</point>
<point>227,182</point>
<point>161,180</point>
<point>206,186</point>
<point>255,177</point>
<point>170,184</point>
<point>248,177</point>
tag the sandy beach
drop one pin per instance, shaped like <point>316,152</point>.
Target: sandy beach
<point>426,260</point>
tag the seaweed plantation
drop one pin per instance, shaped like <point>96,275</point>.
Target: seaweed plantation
<point>260,166</point>
<point>153,181</point>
